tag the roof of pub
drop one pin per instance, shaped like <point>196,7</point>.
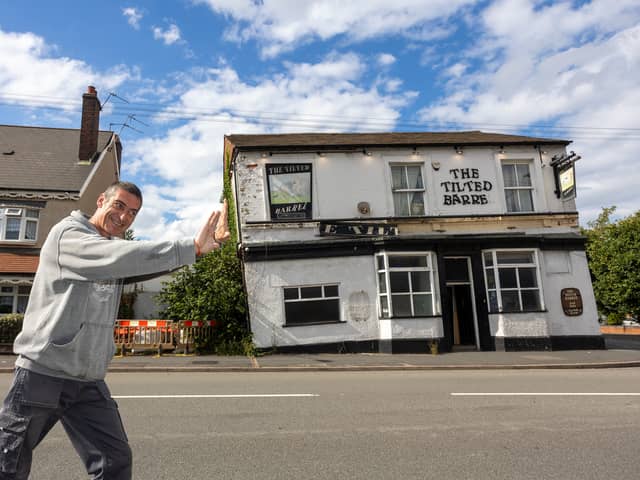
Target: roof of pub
<point>392,139</point>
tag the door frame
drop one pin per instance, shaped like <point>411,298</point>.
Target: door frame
<point>470,283</point>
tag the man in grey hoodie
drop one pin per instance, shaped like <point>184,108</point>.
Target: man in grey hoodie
<point>66,341</point>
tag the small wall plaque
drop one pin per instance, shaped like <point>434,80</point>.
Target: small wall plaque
<point>571,301</point>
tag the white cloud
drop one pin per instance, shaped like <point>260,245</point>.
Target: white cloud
<point>133,15</point>
<point>28,72</point>
<point>572,65</point>
<point>187,161</point>
<point>281,25</point>
<point>169,36</point>
<point>386,59</point>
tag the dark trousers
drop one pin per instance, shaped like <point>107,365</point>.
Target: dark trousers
<point>87,412</point>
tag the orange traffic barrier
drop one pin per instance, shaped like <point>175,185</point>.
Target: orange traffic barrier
<point>137,335</point>
<point>187,331</point>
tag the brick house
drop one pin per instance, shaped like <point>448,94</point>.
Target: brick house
<point>47,173</point>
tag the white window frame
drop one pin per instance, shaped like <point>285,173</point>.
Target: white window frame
<point>15,295</point>
<point>518,188</point>
<point>323,296</point>
<point>495,267</point>
<point>408,192</point>
<point>26,216</point>
<point>384,288</point>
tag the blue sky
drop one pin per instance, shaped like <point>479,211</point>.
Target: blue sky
<point>194,70</point>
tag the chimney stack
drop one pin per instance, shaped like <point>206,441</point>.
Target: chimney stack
<point>89,125</point>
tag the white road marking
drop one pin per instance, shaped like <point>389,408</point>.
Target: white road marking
<point>545,394</point>
<point>259,395</point>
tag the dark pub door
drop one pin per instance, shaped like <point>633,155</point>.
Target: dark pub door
<point>462,312</point>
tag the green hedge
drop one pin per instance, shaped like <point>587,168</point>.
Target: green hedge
<point>10,326</point>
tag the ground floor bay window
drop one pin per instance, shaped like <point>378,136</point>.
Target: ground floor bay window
<point>406,285</point>
<point>513,282</point>
<point>14,298</point>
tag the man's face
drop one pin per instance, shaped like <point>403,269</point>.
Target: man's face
<point>115,214</point>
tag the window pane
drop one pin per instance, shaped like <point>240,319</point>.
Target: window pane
<point>33,213</point>
<point>311,292</point>
<point>493,301</point>
<point>512,200</point>
<point>420,282</point>
<point>508,278</point>
<point>524,178</point>
<point>6,289</point>
<point>515,257</point>
<point>6,304</point>
<point>331,291</point>
<point>422,305</point>
<point>417,203</point>
<point>509,175</point>
<point>30,231</point>
<point>401,305</point>
<point>290,293</point>
<point>24,289</point>
<point>531,300</point>
<point>488,259</point>
<point>13,229</point>
<point>526,200</point>
<point>400,204</point>
<point>407,261</point>
<point>527,277</point>
<point>510,301</point>
<point>22,304</point>
<point>313,311</point>
<point>457,269</point>
<point>399,282</point>
<point>399,180</point>
<point>415,177</point>
<point>382,283</point>
<point>384,307</point>
<point>380,260</point>
<point>491,279</point>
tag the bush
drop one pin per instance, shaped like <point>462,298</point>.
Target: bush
<point>10,326</point>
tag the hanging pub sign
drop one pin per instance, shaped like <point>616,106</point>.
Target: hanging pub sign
<point>564,173</point>
<point>571,301</point>
<point>289,186</point>
<point>567,182</point>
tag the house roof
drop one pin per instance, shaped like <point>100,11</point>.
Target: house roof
<point>45,159</point>
<point>393,139</point>
<point>16,263</point>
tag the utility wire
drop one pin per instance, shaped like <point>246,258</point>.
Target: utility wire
<point>301,120</point>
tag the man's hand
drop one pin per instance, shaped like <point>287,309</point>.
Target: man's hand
<point>214,232</point>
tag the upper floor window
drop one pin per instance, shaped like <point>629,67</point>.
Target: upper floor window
<point>406,285</point>
<point>307,305</point>
<point>513,280</point>
<point>13,299</point>
<point>18,223</point>
<point>518,189</point>
<point>408,190</point>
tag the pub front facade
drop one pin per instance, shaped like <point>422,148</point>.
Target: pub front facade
<point>399,242</point>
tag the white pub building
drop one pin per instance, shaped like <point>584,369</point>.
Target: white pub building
<point>394,242</point>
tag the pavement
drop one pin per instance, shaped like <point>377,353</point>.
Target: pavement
<point>464,360</point>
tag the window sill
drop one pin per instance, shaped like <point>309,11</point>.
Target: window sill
<point>307,324</point>
<point>417,317</point>
<point>518,311</point>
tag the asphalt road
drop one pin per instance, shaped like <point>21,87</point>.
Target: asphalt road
<point>526,424</point>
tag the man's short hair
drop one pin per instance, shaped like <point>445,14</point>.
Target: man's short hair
<point>132,188</point>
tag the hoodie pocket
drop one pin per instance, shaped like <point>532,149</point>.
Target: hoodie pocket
<point>86,356</point>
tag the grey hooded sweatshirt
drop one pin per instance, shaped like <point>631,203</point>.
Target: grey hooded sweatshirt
<point>68,326</point>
